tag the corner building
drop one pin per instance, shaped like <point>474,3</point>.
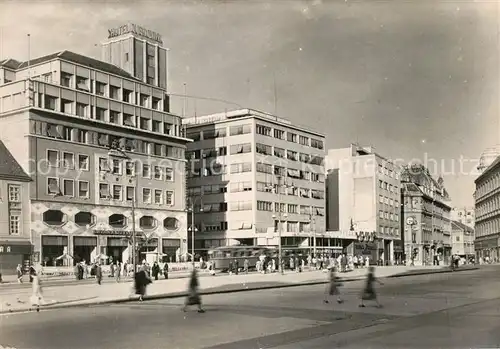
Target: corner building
<point>246,167</point>
<point>95,138</point>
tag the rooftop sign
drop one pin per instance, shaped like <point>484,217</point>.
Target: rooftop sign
<point>135,29</point>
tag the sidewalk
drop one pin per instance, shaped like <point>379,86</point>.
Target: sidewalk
<point>78,295</point>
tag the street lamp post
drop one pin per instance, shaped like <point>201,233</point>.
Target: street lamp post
<point>280,219</point>
<point>122,154</point>
<point>313,233</point>
<point>193,229</point>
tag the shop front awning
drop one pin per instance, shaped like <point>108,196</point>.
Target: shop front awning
<point>16,246</point>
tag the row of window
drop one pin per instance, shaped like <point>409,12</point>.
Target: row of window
<point>15,214</point>
<point>244,148</point>
<point>386,186</point>
<point>104,140</point>
<point>486,186</point>
<point>388,201</point>
<point>148,171</point>
<point>387,172</point>
<point>388,215</point>
<point>290,136</point>
<point>489,227</point>
<point>293,227</point>
<point>105,90</point>
<point>260,129</point>
<point>81,190</point>
<point>289,208</point>
<point>488,206</point>
<point>261,186</point>
<point>389,230</point>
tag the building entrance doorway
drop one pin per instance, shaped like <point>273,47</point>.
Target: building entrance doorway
<point>84,247</point>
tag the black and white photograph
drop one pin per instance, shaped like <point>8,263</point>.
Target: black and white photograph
<point>258,174</point>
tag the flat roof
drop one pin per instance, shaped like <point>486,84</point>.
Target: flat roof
<point>198,121</point>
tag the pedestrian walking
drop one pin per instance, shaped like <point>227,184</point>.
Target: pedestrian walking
<point>245,266</point>
<point>333,286</point>
<point>193,297</point>
<point>118,272</point>
<point>19,271</point>
<point>155,270</point>
<point>165,270</point>
<point>141,281</point>
<point>369,293</point>
<point>37,295</point>
<point>98,273</point>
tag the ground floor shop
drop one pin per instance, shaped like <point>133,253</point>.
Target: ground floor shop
<point>66,250</point>
<point>427,254</point>
<point>378,251</point>
<point>14,252</point>
<point>488,247</point>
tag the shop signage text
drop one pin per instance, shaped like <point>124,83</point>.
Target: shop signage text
<point>114,232</point>
<point>133,28</point>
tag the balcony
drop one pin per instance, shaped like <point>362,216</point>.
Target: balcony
<point>16,95</point>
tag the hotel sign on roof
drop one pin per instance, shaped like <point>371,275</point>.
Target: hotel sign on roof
<point>135,29</point>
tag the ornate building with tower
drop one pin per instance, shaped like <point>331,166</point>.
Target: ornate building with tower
<point>426,211</point>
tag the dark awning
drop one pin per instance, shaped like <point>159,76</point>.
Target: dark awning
<point>15,247</point>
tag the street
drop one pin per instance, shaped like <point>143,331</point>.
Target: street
<point>453,310</point>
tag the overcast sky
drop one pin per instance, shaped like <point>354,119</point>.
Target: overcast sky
<point>415,79</point>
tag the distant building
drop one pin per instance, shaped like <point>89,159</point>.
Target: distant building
<point>15,242</point>
<point>465,215</point>
<point>427,210</point>
<point>462,237</point>
<point>96,138</point>
<point>487,211</point>
<point>249,171</point>
<point>363,202</point>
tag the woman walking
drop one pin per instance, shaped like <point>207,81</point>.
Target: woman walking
<point>141,281</point>
<point>193,297</point>
<point>369,293</point>
<point>334,286</point>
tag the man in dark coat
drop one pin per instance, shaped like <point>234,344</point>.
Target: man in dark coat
<point>193,297</point>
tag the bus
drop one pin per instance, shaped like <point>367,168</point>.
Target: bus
<point>220,257</point>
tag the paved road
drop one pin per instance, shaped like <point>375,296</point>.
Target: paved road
<point>455,310</point>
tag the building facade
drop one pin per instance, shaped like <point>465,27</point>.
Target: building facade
<point>427,210</point>
<point>464,215</point>
<point>462,237</point>
<point>99,144</point>
<point>363,207</point>
<point>15,242</point>
<point>487,211</point>
<point>249,172</point>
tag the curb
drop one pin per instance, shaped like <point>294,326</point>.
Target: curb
<point>68,304</point>
<point>437,271</point>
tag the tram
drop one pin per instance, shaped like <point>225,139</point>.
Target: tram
<point>220,257</point>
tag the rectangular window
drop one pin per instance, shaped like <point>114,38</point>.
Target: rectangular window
<point>117,167</point>
<point>127,94</point>
<point>263,149</point>
<point>114,92</point>
<point>66,79</point>
<point>117,192</point>
<point>315,143</point>
<point>130,193</point>
<point>158,173</point>
<point>14,224</point>
<point>100,88</point>
<point>104,191</point>
<point>240,130</point>
<point>279,152</point>
<point>303,140</point>
<point>68,160</point>
<point>50,102</point>
<point>83,189</point>
<point>263,130</point>
<point>146,171</point>
<point>53,158</point>
<point>264,206</point>
<point>53,186</point>
<point>100,114</point>
<point>114,117</point>
<point>169,198</point>
<point>128,120</point>
<point>291,137</point>
<point>103,165</point>
<point>158,197</point>
<point>130,168</point>
<point>14,193</point>
<point>81,109</point>
<point>146,195</point>
<point>68,187</point>
<point>169,174</point>
<point>280,134</point>
<point>241,148</point>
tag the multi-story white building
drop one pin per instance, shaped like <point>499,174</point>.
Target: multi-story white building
<point>464,215</point>
<point>251,170</point>
<point>95,139</point>
<point>363,202</point>
<point>462,240</point>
